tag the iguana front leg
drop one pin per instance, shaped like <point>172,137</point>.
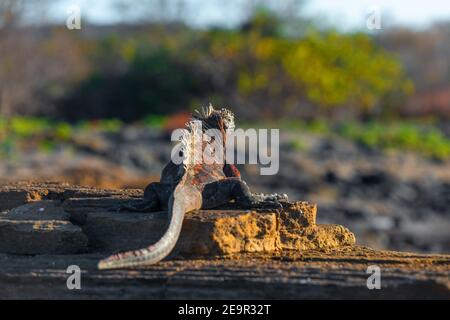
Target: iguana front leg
<point>231,171</point>
<point>219,193</point>
<point>156,197</point>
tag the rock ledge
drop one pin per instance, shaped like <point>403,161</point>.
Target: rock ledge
<point>59,219</point>
<point>222,254</point>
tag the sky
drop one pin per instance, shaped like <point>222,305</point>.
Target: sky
<point>342,14</point>
<point>352,13</point>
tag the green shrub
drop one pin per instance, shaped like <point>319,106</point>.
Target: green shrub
<point>28,126</point>
<point>425,140</point>
<point>154,121</point>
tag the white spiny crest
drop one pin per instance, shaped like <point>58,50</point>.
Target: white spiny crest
<point>204,113</point>
<point>208,111</point>
<point>228,118</point>
<point>191,143</point>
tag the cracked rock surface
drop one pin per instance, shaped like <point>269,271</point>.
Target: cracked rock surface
<point>51,219</point>
<point>223,253</point>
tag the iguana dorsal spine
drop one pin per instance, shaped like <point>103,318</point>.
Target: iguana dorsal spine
<point>189,186</point>
<point>185,197</point>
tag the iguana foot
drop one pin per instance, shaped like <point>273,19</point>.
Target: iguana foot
<point>273,197</point>
<point>267,204</point>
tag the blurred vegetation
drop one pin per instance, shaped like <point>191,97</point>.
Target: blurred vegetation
<point>427,141</point>
<point>421,137</point>
<point>22,133</point>
<point>256,70</point>
<point>259,69</point>
<point>352,85</point>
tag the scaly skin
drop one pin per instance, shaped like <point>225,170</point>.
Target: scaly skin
<point>189,187</point>
<point>184,199</point>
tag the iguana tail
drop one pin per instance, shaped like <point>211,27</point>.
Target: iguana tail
<point>184,199</point>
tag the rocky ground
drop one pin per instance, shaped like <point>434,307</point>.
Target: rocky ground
<point>390,200</point>
<point>236,254</point>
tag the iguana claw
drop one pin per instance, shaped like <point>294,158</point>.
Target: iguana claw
<point>271,197</point>
<point>267,204</point>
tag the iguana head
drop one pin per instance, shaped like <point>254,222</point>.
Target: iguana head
<point>221,119</point>
<point>216,119</point>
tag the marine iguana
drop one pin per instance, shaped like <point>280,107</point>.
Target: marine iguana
<point>190,186</point>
